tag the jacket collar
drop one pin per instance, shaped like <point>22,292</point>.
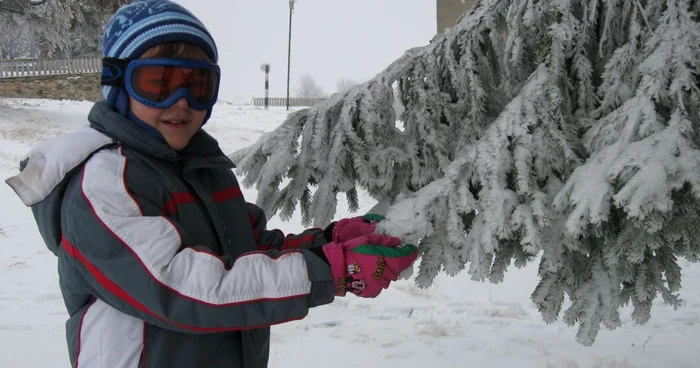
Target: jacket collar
<point>202,146</point>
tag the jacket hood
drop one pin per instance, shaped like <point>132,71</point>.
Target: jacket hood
<point>50,162</point>
<point>44,175</point>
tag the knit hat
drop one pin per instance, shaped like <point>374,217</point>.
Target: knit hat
<point>143,24</point>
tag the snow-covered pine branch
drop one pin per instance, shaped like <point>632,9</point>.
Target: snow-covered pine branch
<point>560,128</point>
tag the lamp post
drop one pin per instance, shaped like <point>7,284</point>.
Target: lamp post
<point>289,47</point>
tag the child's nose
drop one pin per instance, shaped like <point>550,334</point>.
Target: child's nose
<point>181,103</point>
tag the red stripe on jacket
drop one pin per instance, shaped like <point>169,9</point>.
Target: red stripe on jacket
<point>296,242</point>
<point>226,194</point>
<point>170,207</point>
<point>179,198</point>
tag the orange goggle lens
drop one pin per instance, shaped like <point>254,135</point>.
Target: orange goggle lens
<point>158,82</point>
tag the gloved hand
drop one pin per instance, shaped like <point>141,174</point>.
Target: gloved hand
<point>350,228</point>
<point>367,264</point>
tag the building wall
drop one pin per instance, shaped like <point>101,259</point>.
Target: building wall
<point>448,11</point>
<point>79,87</point>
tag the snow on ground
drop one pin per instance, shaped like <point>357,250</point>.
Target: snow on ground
<point>457,323</point>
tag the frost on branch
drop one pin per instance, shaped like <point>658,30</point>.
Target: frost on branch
<point>565,129</point>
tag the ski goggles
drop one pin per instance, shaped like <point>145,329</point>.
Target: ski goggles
<point>160,82</point>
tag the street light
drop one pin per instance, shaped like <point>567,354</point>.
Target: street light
<point>289,47</point>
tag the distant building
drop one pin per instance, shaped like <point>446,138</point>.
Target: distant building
<point>448,11</point>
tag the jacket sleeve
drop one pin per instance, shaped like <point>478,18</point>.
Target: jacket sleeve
<point>275,239</point>
<point>137,263</point>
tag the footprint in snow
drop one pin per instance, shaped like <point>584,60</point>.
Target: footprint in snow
<point>329,324</point>
<point>17,265</point>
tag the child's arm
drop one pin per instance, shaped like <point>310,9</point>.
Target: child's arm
<point>275,239</point>
<point>129,256</point>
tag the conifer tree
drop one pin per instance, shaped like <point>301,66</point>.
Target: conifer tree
<point>566,129</point>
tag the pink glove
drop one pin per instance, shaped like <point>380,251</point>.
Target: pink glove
<point>351,228</point>
<point>366,265</point>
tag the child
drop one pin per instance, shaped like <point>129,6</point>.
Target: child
<point>161,261</point>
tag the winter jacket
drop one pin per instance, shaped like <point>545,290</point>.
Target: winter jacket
<point>161,261</point>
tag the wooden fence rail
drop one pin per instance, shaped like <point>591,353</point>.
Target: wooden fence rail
<point>38,67</point>
<point>282,101</point>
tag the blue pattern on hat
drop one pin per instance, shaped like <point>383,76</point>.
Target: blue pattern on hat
<point>167,18</point>
<point>143,24</point>
<point>166,33</point>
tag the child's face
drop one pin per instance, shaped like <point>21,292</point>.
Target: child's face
<point>177,123</point>
<point>177,135</point>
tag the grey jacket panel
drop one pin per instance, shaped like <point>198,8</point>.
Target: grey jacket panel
<point>166,237</point>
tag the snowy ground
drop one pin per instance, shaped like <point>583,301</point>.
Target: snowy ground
<point>457,323</point>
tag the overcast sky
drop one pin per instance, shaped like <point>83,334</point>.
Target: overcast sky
<point>331,39</point>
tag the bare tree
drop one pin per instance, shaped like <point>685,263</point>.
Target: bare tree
<point>11,6</point>
<point>308,88</point>
<point>69,27</point>
<point>344,85</point>
<point>15,43</point>
<point>18,6</point>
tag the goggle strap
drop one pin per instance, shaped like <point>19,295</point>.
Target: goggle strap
<point>113,70</point>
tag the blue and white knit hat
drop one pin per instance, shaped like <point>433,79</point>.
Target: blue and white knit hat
<point>143,24</point>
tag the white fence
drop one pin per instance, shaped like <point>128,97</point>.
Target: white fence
<point>282,101</point>
<point>38,67</point>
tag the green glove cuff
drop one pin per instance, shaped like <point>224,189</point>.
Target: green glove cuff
<point>391,252</point>
<point>373,217</point>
